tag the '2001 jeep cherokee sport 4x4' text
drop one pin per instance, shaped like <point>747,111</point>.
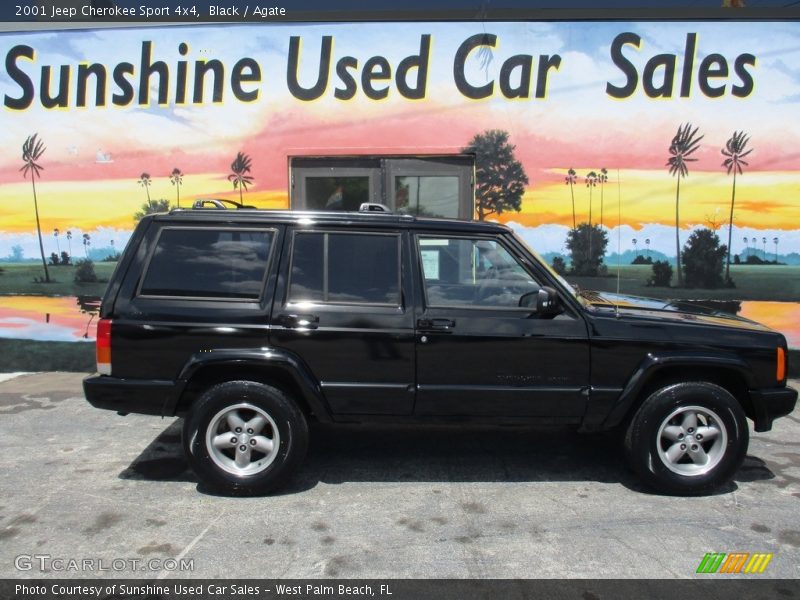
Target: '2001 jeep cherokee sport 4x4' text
<point>251,323</point>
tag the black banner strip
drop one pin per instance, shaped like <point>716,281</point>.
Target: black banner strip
<point>272,11</point>
<point>711,587</point>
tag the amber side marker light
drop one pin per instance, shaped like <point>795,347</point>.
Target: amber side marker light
<point>104,346</point>
<point>780,374</point>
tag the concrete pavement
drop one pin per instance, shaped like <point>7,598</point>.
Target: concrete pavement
<point>80,483</point>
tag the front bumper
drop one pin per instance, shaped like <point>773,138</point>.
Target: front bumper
<point>769,404</point>
<point>143,396</point>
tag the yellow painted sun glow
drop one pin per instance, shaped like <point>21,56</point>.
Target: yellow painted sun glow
<point>112,202</point>
<point>764,200</point>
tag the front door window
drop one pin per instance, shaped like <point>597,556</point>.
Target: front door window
<point>478,273</point>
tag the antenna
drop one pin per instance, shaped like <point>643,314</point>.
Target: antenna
<point>619,236</point>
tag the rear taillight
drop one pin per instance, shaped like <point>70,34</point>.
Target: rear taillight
<point>104,346</point>
<point>780,374</point>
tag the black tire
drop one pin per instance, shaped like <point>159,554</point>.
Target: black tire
<point>682,471</point>
<point>266,465</point>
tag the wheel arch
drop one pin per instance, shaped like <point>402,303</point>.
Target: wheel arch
<point>730,373</point>
<point>269,366</point>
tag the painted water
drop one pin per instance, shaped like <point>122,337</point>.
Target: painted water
<point>74,318</point>
<point>49,318</point>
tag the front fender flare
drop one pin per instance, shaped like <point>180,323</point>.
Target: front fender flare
<point>654,363</point>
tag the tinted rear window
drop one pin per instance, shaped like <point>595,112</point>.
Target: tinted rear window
<point>209,263</point>
<point>346,268</point>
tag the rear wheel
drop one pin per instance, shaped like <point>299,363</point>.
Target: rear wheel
<point>245,437</point>
<point>687,438</point>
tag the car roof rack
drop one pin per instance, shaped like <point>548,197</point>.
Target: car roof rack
<point>373,207</point>
<point>218,203</point>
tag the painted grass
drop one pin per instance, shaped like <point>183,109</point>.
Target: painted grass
<point>20,278</point>
<point>777,283</point>
<point>29,355</point>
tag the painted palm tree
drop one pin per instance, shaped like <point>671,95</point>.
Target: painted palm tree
<point>240,167</point>
<point>87,241</point>
<point>69,240</point>
<point>602,179</point>
<point>683,145</point>
<point>734,152</point>
<point>55,235</point>
<point>145,181</point>
<point>32,151</point>
<point>176,177</point>
<point>647,245</point>
<point>746,247</point>
<point>571,179</point>
<point>775,241</point>
<point>591,182</point>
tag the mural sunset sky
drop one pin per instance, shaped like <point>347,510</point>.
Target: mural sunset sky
<point>95,154</point>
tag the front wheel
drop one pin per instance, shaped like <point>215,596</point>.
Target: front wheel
<point>245,437</point>
<point>687,438</point>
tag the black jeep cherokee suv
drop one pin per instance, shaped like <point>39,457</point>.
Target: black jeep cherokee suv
<point>250,323</point>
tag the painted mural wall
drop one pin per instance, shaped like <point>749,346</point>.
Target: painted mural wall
<point>128,118</point>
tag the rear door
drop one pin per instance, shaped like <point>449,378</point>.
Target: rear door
<point>478,352</point>
<point>340,305</point>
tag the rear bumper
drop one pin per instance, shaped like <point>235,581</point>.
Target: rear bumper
<point>769,404</point>
<point>143,396</point>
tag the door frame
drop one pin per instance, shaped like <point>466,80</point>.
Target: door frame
<point>444,400</point>
<point>347,397</point>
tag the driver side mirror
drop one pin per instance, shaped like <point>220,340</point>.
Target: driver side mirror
<point>545,301</point>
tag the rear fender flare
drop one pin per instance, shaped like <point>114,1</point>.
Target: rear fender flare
<point>257,359</point>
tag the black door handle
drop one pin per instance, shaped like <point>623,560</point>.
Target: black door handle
<point>299,321</point>
<point>440,325</point>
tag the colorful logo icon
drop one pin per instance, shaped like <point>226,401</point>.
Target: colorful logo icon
<point>734,562</point>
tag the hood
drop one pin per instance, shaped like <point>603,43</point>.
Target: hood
<point>667,310</point>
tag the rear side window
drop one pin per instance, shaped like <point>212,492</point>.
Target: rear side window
<point>209,263</point>
<point>347,268</point>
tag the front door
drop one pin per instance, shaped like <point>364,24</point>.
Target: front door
<point>478,352</point>
<point>340,306</point>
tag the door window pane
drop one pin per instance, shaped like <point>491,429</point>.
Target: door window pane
<point>472,272</point>
<point>308,255</point>
<point>345,268</point>
<point>208,263</point>
<point>427,196</point>
<point>336,193</point>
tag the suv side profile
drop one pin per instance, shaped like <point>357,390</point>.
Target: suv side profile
<point>251,323</point>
